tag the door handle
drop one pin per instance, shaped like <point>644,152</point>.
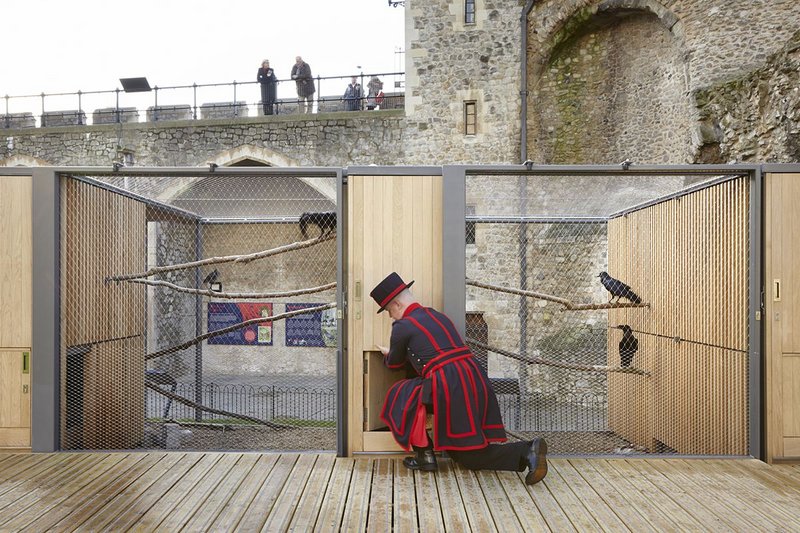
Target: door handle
<point>26,362</point>
<point>776,290</point>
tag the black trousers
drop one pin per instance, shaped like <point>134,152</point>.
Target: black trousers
<point>509,456</point>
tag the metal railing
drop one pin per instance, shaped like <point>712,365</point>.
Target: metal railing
<point>198,101</point>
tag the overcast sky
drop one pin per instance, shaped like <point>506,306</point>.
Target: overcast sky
<point>69,45</point>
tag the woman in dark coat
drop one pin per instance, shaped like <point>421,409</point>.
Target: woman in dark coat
<point>266,77</point>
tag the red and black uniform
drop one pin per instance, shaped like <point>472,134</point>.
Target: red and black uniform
<point>465,411</point>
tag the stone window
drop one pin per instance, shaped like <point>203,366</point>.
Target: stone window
<point>469,11</point>
<point>470,118</point>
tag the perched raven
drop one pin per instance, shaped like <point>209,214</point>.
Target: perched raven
<point>211,277</point>
<point>326,222</point>
<point>618,289</point>
<point>627,346</point>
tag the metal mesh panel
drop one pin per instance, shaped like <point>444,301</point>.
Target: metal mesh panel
<point>539,320</point>
<point>141,370</point>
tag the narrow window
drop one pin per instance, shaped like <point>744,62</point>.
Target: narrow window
<point>469,11</point>
<point>470,225</point>
<point>470,118</point>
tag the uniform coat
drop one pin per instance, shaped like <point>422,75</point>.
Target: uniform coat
<point>465,410</point>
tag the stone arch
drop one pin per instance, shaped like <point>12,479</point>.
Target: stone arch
<point>22,160</point>
<point>609,82</point>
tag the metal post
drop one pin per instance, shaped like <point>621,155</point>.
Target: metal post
<point>155,106</point>
<point>194,101</point>
<point>341,316</point>
<point>80,109</point>
<point>523,279</point>
<point>198,324</point>
<point>755,326</point>
<point>8,117</point>
<point>42,120</point>
<point>235,111</point>
<point>116,106</point>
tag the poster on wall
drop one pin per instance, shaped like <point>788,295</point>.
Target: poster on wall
<point>311,329</point>
<point>224,314</point>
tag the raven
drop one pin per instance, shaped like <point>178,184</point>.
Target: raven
<point>627,346</point>
<point>326,222</point>
<point>618,289</point>
<point>211,277</point>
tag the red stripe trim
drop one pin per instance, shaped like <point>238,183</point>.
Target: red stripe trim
<point>392,295</point>
<point>429,369</point>
<point>425,331</point>
<point>446,332</point>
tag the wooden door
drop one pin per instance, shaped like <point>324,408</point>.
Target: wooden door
<point>15,398</point>
<point>395,226</point>
<point>782,315</point>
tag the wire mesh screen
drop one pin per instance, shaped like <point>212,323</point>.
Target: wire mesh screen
<point>185,312</point>
<point>611,312</point>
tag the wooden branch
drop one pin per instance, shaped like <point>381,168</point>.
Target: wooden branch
<point>568,305</point>
<point>180,399</point>
<point>225,259</point>
<point>233,295</point>
<point>558,364</point>
<point>240,325</point>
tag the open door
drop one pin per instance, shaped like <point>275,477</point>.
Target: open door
<point>395,226</point>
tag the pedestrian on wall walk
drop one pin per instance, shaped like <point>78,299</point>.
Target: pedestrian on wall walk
<point>353,95</point>
<point>450,385</point>
<point>301,74</point>
<point>266,77</point>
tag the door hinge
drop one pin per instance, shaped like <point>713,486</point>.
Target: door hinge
<point>366,415</point>
<point>366,366</point>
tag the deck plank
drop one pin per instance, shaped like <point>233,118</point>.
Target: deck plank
<point>242,497</point>
<point>542,495</point>
<point>211,506</point>
<point>404,506</point>
<point>330,514</point>
<point>356,510</point>
<point>260,508</point>
<point>286,502</point>
<point>155,492</point>
<point>594,504</point>
<point>706,492</point>
<point>429,509</point>
<point>23,489</point>
<point>645,492</point>
<point>124,499</point>
<point>380,507</point>
<point>310,502</point>
<point>53,499</point>
<point>638,513</point>
<point>475,504</point>
<point>175,497</point>
<point>498,503</point>
<point>26,471</point>
<point>523,505</point>
<point>453,512</point>
<point>196,496</point>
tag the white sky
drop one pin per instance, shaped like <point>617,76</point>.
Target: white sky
<point>56,46</point>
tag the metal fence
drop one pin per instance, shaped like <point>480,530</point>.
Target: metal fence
<point>353,92</point>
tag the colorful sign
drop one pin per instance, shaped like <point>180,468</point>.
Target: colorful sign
<point>223,314</point>
<point>311,329</point>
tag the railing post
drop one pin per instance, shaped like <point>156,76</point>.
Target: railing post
<point>194,101</point>
<point>155,105</point>
<point>319,88</point>
<point>235,111</point>
<point>8,117</point>
<point>42,120</point>
<point>80,109</point>
<point>116,106</point>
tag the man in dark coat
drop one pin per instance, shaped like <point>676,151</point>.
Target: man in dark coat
<point>466,418</point>
<point>301,74</point>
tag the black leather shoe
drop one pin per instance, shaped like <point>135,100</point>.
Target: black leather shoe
<point>424,460</point>
<point>537,462</point>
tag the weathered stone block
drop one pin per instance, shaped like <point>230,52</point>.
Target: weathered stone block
<point>169,112</point>
<point>63,118</point>
<point>224,110</point>
<point>17,120</point>
<point>113,115</point>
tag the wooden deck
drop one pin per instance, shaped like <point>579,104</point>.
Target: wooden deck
<point>319,492</point>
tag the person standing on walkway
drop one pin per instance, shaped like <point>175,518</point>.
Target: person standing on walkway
<point>301,74</point>
<point>353,95</point>
<point>266,77</point>
<point>450,385</point>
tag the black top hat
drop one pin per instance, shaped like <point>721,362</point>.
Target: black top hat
<point>386,290</point>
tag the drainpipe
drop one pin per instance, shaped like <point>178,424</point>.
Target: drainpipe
<point>523,91</point>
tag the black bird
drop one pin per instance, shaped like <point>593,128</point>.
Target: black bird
<point>618,289</point>
<point>628,346</point>
<point>326,222</point>
<point>211,277</point>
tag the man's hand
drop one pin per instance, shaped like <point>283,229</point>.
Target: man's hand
<point>384,350</point>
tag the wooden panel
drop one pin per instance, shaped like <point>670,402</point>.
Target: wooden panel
<point>16,261</point>
<point>395,225</point>
<point>782,314</point>
<point>15,400</point>
<point>687,257</point>
<point>791,446</point>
